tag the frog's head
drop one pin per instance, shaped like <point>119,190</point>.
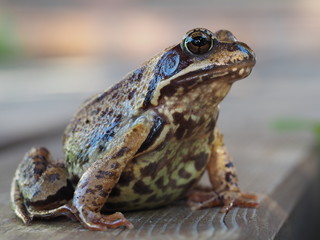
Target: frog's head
<point>202,57</point>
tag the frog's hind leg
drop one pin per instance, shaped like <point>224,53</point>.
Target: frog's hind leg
<point>40,187</point>
<point>223,177</point>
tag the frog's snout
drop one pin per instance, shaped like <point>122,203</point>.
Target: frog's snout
<point>248,51</point>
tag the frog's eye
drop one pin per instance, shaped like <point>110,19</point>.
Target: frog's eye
<point>198,41</point>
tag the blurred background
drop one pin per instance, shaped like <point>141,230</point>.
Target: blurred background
<point>55,54</point>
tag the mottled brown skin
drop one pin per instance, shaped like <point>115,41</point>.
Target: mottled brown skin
<point>145,142</point>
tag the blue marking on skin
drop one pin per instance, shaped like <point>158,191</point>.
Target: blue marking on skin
<point>243,49</point>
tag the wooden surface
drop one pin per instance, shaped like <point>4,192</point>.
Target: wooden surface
<point>279,172</point>
<point>38,98</point>
<point>279,177</point>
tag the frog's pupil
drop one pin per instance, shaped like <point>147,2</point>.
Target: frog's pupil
<point>199,41</point>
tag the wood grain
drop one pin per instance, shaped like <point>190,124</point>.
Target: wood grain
<point>279,191</point>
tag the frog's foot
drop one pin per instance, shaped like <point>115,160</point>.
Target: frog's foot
<point>40,187</point>
<point>99,222</point>
<point>203,197</point>
<point>64,210</point>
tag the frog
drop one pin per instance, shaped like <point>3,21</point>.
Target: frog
<point>145,142</point>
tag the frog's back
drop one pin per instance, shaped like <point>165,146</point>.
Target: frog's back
<point>99,120</point>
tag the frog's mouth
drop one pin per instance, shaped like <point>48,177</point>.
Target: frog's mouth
<point>230,72</point>
<point>227,74</point>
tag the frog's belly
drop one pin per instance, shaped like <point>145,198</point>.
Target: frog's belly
<point>161,176</point>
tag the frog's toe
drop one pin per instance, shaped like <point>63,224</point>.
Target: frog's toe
<point>98,222</point>
<point>22,213</point>
<point>17,203</point>
<point>227,199</point>
<point>237,199</point>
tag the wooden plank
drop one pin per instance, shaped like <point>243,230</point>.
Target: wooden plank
<point>280,176</point>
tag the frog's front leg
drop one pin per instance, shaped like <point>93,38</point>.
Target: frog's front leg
<point>223,177</point>
<point>97,182</point>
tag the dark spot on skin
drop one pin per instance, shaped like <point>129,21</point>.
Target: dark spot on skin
<point>126,178</point>
<point>131,94</point>
<point>91,191</point>
<point>114,95</point>
<point>177,117</point>
<point>212,124</point>
<point>115,165</point>
<point>141,188</point>
<point>104,174</point>
<point>159,183</point>
<point>149,170</point>
<point>200,160</point>
<point>84,185</point>
<point>53,177</point>
<point>121,152</point>
<point>115,192</point>
<point>134,161</point>
<point>229,177</point>
<point>184,174</point>
<point>40,164</point>
<point>101,148</point>
<point>201,121</point>
<point>110,112</point>
<point>103,113</point>
<point>158,124</point>
<point>229,165</point>
<point>103,193</point>
<point>101,141</point>
<point>186,127</point>
<point>108,173</point>
<point>172,183</point>
<point>109,133</point>
<point>137,75</point>
<point>118,117</point>
<point>152,86</point>
<point>94,203</point>
<point>168,91</point>
<point>211,138</point>
<point>38,171</point>
<point>98,187</point>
